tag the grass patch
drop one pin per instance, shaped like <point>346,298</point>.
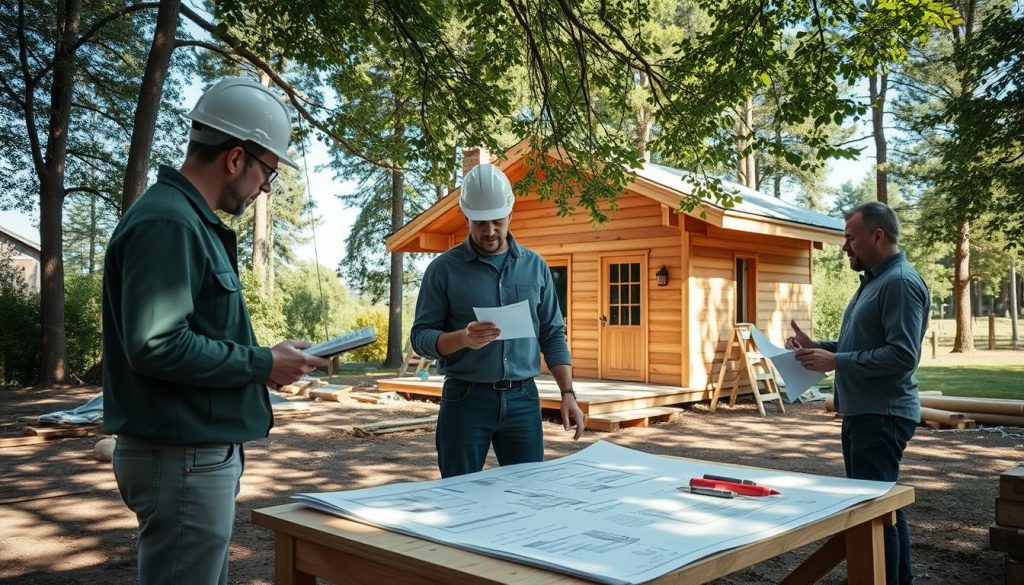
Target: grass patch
<point>975,381</point>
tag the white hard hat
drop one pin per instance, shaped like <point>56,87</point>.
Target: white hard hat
<point>246,110</point>
<point>486,194</point>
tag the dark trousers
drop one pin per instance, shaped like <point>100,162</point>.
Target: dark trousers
<point>873,446</point>
<point>474,416</point>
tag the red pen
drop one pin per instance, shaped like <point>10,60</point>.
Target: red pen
<point>742,489</point>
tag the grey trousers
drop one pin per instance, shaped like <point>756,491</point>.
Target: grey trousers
<point>184,499</point>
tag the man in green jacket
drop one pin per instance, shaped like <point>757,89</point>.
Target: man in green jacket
<point>184,380</point>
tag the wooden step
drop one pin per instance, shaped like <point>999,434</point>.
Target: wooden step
<point>641,417</point>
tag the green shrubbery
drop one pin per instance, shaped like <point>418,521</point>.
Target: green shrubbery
<point>19,322</point>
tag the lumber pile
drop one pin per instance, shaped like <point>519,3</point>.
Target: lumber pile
<point>395,426</point>
<point>376,397</point>
<point>1006,534</point>
<point>955,412</point>
<point>301,387</point>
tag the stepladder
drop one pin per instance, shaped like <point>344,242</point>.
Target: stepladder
<point>413,363</point>
<point>751,366</point>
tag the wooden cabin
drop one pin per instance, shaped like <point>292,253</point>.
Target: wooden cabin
<point>651,295</point>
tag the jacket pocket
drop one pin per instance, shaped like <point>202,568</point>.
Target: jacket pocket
<point>226,299</point>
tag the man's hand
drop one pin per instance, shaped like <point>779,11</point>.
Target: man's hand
<point>799,339</point>
<point>290,363</point>
<point>571,413</point>
<point>818,360</point>
<point>479,333</point>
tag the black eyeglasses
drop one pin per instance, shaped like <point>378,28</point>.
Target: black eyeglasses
<point>270,174</point>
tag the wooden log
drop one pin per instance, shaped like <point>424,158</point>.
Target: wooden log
<point>330,393</point>
<point>830,403</point>
<point>1003,420</point>
<point>61,432</point>
<point>1010,512</point>
<point>943,416</point>
<point>1011,483</point>
<point>975,405</point>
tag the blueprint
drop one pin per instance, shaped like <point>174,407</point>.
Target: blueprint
<point>607,513</point>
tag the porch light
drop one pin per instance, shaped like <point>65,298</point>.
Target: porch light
<point>662,275</point>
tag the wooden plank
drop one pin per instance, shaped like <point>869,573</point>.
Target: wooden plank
<point>643,417</point>
<point>1010,512</point>
<point>1011,483</point>
<point>1006,539</point>
<point>1014,570</point>
<point>61,432</point>
<point>395,426</point>
<point>285,570</point>
<point>865,553</point>
<point>820,563</point>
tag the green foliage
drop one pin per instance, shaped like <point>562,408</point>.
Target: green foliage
<point>974,381</point>
<point>834,284</point>
<point>265,310</point>
<point>303,312</point>
<point>83,317</point>
<point>378,350</point>
<point>19,321</point>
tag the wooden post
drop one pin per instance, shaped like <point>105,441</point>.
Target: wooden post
<point>991,330</point>
<point>934,343</point>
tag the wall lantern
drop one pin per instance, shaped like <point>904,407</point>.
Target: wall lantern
<point>662,275</point>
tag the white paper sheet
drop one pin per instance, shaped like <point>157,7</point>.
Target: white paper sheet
<point>513,320</point>
<point>795,377</point>
<point>606,513</point>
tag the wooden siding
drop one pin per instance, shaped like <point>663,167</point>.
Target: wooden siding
<point>635,227</point>
<point>783,281</point>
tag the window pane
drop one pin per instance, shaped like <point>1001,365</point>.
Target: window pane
<point>614,312</point>
<point>624,315</point>
<point>613,294</point>
<point>634,273</point>
<point>635,315</point>
<point>560,278</point>
<point>634,296</point>
<point>613,273</point>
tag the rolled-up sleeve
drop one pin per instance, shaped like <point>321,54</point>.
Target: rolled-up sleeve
<point>431,312</point>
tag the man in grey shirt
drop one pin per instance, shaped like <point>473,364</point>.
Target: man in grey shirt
<point>875,359</point>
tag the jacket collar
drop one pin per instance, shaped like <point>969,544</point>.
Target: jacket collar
<point>173,178</point>
<point>469,253</point>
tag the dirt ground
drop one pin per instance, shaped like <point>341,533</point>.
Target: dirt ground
<point>62,520</point>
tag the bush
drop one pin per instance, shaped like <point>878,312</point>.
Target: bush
<point>378,350</point>
<point>265,310</point>
<point>20,323</point>
<point>83,321</point>
<point>834,284</point>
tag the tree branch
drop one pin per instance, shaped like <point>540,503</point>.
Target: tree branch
<point>293,95</point>
<point>30,90</point>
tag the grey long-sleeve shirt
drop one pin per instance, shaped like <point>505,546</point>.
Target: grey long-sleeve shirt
<point>459,280</point>
<point>879,343</point>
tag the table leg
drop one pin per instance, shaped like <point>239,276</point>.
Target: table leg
<point>819,563</point>
<point>865,553</point>
<point>285,571</point>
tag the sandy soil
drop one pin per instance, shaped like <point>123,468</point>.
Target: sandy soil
<point>62,520</point>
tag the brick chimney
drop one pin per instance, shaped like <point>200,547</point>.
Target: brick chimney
<point>474,156</point>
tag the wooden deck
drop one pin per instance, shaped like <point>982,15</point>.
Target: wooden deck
<point>609,404</point>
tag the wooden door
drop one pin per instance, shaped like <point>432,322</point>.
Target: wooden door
<point>623,319</point>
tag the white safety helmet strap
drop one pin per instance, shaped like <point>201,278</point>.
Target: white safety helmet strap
<point>241,108</point>
<point>486,194</point>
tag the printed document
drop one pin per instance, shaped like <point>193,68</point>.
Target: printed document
<point>607,513</point>
<point>514,320</point>
<point>796,378</point>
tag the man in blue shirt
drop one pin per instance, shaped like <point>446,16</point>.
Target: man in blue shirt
<point>489,396</point>
<point>875,359</point>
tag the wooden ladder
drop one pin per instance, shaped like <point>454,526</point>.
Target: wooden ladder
<point>413,362</point>
<point>751,363</point>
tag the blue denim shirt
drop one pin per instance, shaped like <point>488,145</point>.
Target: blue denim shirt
<point>461,279</point>
<point>879,343</point>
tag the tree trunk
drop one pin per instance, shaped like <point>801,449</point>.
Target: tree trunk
<point>964,340</point>
<point>746,163</point>
<point>1014,340</point>
<point>51,198</point>
<point>394,356</point>
<point>149,102</point>
<point>260,218</point>
<point>878,85</point>
<point>92,233</point>
<point>643,125</point>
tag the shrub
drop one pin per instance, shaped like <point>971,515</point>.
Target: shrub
<point>83,320</point>
<point>20,324</point>
<point>378,350</point>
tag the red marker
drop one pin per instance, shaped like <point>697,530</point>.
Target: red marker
<point>742,489</point>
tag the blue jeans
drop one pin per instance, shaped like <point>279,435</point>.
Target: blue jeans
<point>873,446</point>
<point>475,416</point>
<point>184,499</point>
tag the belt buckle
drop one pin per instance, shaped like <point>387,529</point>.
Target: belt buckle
<point>502,385</point>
